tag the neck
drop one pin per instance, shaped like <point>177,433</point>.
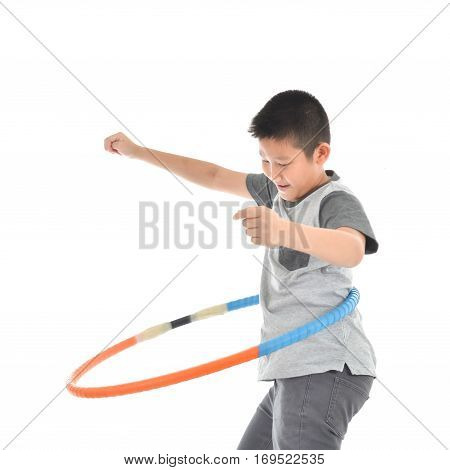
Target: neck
<point>323,178</point>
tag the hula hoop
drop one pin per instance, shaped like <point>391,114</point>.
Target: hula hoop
<point>263,349</point>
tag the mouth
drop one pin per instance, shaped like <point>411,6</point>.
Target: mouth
<point>282,187</point>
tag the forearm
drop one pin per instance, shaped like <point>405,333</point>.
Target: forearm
<point>197,171</point>
<point>333,246</point>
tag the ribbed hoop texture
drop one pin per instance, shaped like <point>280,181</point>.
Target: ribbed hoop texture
<point>313,327</point>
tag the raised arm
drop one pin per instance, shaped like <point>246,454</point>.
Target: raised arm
<point>204,173</point>
<point>200,172</point>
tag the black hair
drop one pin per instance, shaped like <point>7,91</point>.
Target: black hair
<point>296,115</point>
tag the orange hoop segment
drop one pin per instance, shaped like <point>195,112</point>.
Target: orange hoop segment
<point>168,379</point>
<point>154,382</point>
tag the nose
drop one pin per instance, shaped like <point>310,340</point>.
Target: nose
<point>275,175</point>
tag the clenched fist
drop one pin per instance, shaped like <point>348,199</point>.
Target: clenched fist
<point>121,144</point>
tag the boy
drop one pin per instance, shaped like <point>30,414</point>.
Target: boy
<point>314,230</point>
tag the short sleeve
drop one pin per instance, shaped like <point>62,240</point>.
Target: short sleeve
<point>262,189</point>
<point>342,209</point>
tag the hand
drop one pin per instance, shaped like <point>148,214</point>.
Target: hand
<point>263,225</point>
<point>121,144</point>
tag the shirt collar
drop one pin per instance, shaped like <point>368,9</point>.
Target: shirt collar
<point>333,177</point>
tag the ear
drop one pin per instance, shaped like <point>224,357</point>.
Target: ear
<point>322,153</point>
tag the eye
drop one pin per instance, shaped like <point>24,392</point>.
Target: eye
<point>279,164</point>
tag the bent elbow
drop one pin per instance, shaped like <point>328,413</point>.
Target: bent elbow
<point>356,259</point>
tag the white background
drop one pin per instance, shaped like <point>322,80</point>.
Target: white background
<point>186,78</point>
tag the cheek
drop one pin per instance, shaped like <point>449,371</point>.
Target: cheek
<point>291,176</point>
<point>296,175</point>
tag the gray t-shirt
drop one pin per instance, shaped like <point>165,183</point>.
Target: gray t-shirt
<point>294,284</point>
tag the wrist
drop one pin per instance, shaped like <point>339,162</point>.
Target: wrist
<point>139,152</point>
<point>293,235</point>
<point>284,232</point>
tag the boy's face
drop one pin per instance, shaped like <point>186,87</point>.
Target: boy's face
<point>294,177</point>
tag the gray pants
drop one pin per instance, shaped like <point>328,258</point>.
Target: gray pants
<point>308,412</point>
